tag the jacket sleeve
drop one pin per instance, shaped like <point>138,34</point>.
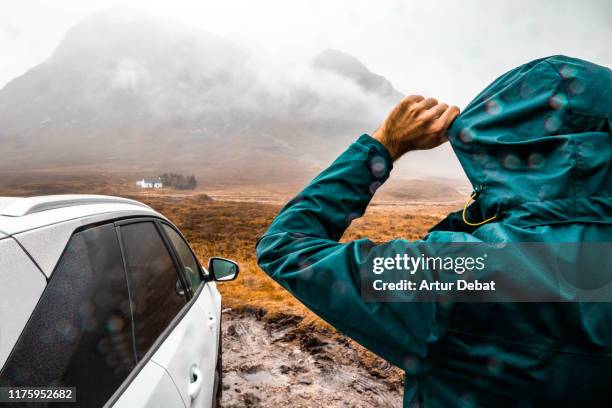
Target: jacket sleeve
<point>301,252</point>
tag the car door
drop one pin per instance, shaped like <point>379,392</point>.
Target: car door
<point>81,332</point>
<point>193,359</point>
<point>157,303</point>
<point>168,331</point>
<point>151,387</point>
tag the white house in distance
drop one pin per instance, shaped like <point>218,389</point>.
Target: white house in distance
<point>150,183</point>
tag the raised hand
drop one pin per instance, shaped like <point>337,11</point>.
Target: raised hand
<point>416,123</point>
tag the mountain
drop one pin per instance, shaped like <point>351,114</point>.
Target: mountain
<point>141,94</point>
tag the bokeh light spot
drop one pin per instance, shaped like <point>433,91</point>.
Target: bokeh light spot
<point>567,72</point>
<point>558,101</point>
<point>115,323</point>
<point>466,135</point>
<point>552,123</point>
<point>493,107</point>
<point>378,167</point>
<point>576,87</point>
<point>374,186</point>
<point>536,160</point>
<point>511,162</point>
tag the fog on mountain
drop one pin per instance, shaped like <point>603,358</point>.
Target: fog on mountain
<point>141,90</point>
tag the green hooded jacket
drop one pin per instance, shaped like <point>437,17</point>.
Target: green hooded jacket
<point>536,145</point>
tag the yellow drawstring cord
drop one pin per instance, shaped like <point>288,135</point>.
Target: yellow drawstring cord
<point>474,224</point>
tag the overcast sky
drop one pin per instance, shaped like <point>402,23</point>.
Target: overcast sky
<point>447,49</point>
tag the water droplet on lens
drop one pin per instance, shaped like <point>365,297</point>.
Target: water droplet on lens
<point>466,135</point>
<point>303,262</point>
<point>535,160</point>
<point>67,330</point>
<point>411,364</point>
<point>567,72</point>
<point>552,123</point>
<point>377,166</point>
<point>576,87</point>
<point>558,101</point>
<point>493,107</point>
<point>115,323</point>
<point>511,162</point>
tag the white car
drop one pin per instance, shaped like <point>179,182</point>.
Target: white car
<point>105,295</point>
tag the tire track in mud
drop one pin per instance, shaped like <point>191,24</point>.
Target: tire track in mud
<point>275,362</point>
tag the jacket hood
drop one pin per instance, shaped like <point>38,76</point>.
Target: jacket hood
<point>536,144</point>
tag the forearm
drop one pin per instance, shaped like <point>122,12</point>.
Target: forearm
<point>300,251</point>
<point>341,193</point>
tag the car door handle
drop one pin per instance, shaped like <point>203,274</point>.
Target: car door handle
<point>195,381</point>
<point>211,320</point>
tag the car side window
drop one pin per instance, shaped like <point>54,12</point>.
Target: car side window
<point>190,264</point>
<point>80,333</point>
<point>152,281</point>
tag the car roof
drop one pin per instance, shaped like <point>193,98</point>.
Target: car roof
<point>43,225</point>
<point>19,214</point>
<point>20,206</point>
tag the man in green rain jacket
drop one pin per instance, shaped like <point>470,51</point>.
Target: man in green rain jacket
<point>536,145</point>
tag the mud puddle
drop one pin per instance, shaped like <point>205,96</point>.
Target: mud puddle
<point>276,363</point>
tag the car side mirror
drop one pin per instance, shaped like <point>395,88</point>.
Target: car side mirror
<point>222,269</point>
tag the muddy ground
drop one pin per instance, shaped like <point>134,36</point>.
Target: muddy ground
<point>277,362</point>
